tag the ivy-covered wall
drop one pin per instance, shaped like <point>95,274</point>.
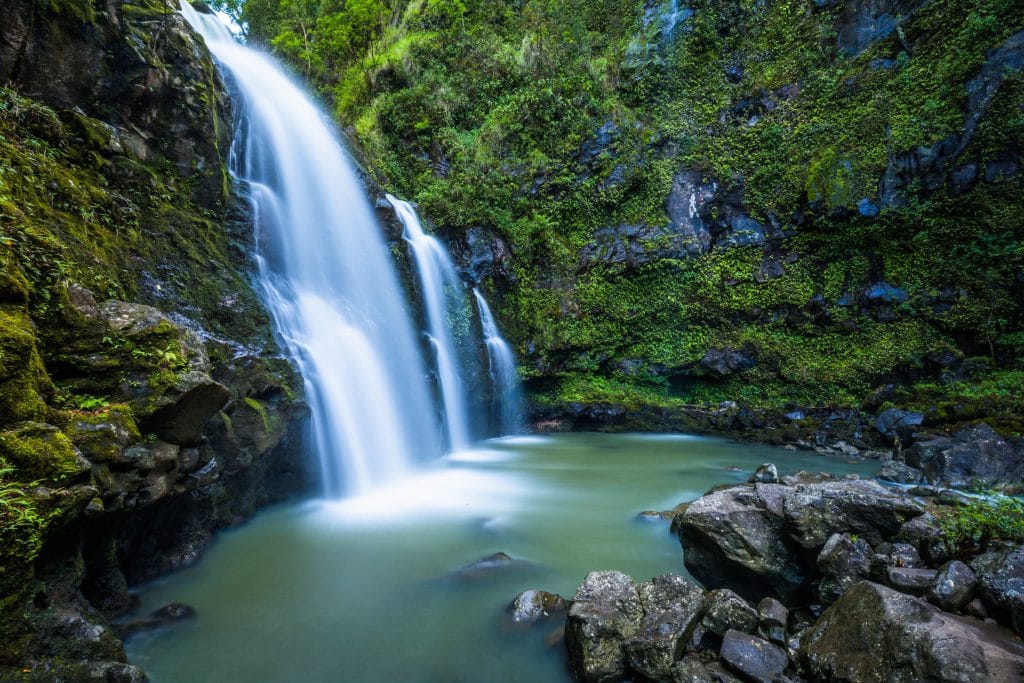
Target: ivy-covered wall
<point>780,201</point>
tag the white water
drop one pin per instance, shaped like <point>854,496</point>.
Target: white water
<point>326,276</point>
<point>506,403</point>
<point>443,299</point>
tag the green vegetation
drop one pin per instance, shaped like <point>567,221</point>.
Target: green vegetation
<point>969,529</point>
<point>549,120</point>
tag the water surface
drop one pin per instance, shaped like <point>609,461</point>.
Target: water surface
<point>357,590</point>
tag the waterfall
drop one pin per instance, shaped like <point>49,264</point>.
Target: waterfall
<point>326,276</point>
<point>443,300</point>
<point>506,403</point>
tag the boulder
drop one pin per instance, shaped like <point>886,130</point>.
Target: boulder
<point>843,562</point>
<point>726,361</point>
<point>899,472</point>
<point>694,669</point>
<point>910,579</point>
<point>953,587</point>
<point>1000,584</point>
<point>873,633</point>
<point>725,610</point>
<point>816,511</point>
<point>605,614</point>
<point>533,606</point>
<point>766,474</point>
<point>755,659</point>
<point>975,457</point>
<point>671,605</point>
<point>488,566</point>
<point>895,423</point>
<point>736,538</point>
<point>773,618</point>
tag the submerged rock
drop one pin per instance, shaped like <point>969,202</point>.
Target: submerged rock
<point>487,566</point>
<point>159,618</point>
<point>533,606</point>
<point>875,633</point>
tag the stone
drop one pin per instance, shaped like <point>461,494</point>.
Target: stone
<point>766,474</point>
<point>692,669</point>
<point>736,538</point>
<point>752,657</point>
<point>843,562</point>
<point>899,473</point>
<point>874,633</point>
<point>975,457</point>
<point>606,613</point>
<point>1000,575</point>
<point>724,610</point>
<point>953,587</point>
<point>672,604</point>
<point>726,361</point>
<point>488,566</point>
<point>899,424</point>
<point>910,579</point>
<point>533,606</point>
<point>773,618</point>
<point>816,511</point>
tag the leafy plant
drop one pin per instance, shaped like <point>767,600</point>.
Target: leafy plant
<point>969,529</point>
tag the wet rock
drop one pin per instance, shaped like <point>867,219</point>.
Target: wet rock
<point>895,423</point>
<point>159,618</point>
<point>724,610</point>
<point>773,618</point>
<point>1000,584</point>
<point>755,659</point>
<point>975,457</point>
<point>952,587</point>
<point>533,606</point>
<point>692,669</point>
<point>843,562</point>
<point>900,473</point>
<point>605,614</point>
<point>736,538</point>
<point>766,474</point>
<point>671,605</point>
<point>488,566</point>
<point>912,580</point>
<point>872,629</point>
<point>814,512</point>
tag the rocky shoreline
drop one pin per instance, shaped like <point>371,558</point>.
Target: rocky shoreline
<point>811,577</point>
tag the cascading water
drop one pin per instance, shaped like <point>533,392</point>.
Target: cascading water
<point>326,276</point>
<point>444,301</point>
<point>506,403</point>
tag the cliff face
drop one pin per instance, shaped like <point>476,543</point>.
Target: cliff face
<point>143,402</point>
<point>782,202</point>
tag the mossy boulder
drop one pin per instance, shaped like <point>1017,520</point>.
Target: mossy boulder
<point>41,451</point>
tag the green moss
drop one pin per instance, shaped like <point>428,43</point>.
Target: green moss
<point>102,435</point>
<point>260,410</point>
<point>39,451</point>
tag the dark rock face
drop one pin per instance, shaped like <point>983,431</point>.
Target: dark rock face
<point>724,610</point>
<point>755,659</point>
<point>874,633</point>
<point>1000,576</point>
<point>606,612</point>
<point>974,458</point>
<point>901,424</point>
<point>773,618</point>
<point>142,72</point>
<point>736,538</point>
<point>672,605</point>
<point>843,562</point>
<point>726,361</point>
<point>952,587</point>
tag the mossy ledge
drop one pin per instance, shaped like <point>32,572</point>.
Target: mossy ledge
<point>132,345</point>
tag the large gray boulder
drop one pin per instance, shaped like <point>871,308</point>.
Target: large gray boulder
<point>873,633</point>
<point>1000,584</point>
<point>976,457</point>
<point>752,657</point>
<point>736,538</point>
<point>843,562</point>
<point>953,587</point>
<point>816,511</point>
<point>606,613</point>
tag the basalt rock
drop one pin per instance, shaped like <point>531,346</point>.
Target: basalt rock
<point>974,458</point>
<point>873,633</point>
<point>952,587</point>
<point>672,604</point>
<point>606,613</point>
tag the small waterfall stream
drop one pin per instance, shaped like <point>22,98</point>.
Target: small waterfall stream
<point>506,402</point>
<point>327,276</point>
<point>442,293</point>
